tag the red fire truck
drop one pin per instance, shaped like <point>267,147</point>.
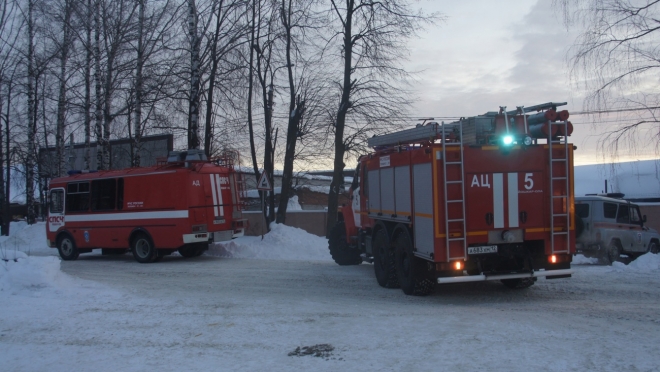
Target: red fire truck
<point>181,204</point>
<point>488,197</point>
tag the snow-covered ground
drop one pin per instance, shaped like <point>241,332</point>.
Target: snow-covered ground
<point>281,304</point>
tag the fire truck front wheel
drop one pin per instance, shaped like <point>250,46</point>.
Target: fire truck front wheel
<point>143,248</point>
<point>340,251</point>
<point>66,246</point>
<point>410,269</point>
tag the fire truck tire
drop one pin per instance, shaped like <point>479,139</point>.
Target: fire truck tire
<point>66,247</point>
<point>409,269</point>
<point>340,251</point>
<point>143,248</point>
<point>193,250</point>
<point>520,283</point>
<point>653,247</point>
<point>613,252</point>
<point>384,263</point>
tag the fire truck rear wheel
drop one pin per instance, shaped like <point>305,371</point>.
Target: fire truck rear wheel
<point>410,269</point>
<point>66,247</point>
<point>340,251</point>
<point>384,263</point>
<point>144,250</point>
<point>519,283</point>
<point>193,250</point>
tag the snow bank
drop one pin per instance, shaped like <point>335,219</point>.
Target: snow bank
<point>26,238</point>
<point>643,264</point>
<point>27,273</point>
<point>579,259</point>
<point>281,243</point>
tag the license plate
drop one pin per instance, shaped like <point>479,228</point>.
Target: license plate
<point>483,249</point>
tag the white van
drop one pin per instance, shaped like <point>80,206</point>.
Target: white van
<point>608,227</point>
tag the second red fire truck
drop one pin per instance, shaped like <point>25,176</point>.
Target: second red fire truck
<point>484,198</point>
<point>181,204</point>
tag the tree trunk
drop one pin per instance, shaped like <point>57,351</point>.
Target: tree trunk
<point>344,105</point>
<point>208,123</point>
<point>193,99</point>
<point>6,217</point>
<point>98,116</point>
<point>3,231</point>
<point>137,136</point>
<point>60,140</point>
<point>88,87</point>
<point>296,110</point>
<point>32,118</point>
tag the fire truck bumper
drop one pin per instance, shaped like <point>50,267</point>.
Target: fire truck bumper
<point>481,278</point>
<point>195,238</point>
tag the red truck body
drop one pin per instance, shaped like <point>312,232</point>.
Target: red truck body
<point>177,205</point>
<point>450,203</point>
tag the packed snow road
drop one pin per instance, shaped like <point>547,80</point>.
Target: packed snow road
<point>109,313</point>
<point>247,314</point>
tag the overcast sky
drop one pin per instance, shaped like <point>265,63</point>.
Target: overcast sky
<point>510,53</point>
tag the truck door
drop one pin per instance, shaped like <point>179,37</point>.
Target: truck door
<point>626,236</point>
<point>56,209</point>
<point>637,231</point>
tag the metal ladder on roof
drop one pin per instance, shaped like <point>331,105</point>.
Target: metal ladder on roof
<point>461,182</point>
<point>562,215</point>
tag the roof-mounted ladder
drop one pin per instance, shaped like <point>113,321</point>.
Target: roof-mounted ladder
<point>559,184</point>
<point>460,181</point>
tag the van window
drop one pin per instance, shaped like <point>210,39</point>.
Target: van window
<point>634,216</point>
<point>77,197</point>
<point>103,194</point>
<point>582,210</point>
<point>609,210</point>
<point>623,216</point>
<point>56,201</point>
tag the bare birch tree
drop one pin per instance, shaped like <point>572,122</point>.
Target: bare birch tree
<point>615,61</point>
<point>10,29</point>
<point>373,37</point>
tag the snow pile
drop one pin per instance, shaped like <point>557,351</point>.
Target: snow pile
<point>281,243</point>
<point>24,273</point>
<point>26,238</point>
<point>293,205</point>
<point>644,264</point>
<point>579,259</point>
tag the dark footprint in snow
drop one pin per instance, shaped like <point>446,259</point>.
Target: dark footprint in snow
<point>319,351</point>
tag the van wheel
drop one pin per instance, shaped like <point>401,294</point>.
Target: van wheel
<point>653,247</point>
<point>67,248</point>
<point>143,249</point>
<point>409,268</point>
<point>340,251</point>
<point>613,252</point>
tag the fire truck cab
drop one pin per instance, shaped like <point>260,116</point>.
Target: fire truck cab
<point>181,204</point>
<point>484,198</point>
